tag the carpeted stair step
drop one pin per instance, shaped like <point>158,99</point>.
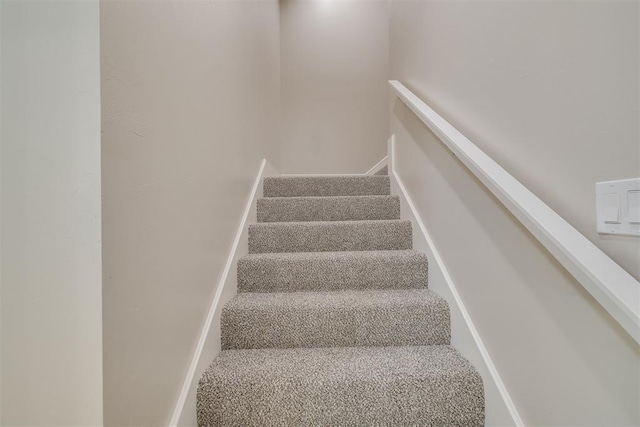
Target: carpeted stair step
<point>333,208</point>
<point>333,323</point>
<point>329,236</point>
<point>335,319</point>
<point>357,386</point>
<point>302,186</point>
<point>332,271</point>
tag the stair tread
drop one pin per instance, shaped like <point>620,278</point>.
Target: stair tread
<point>326,271</point>
<point>419,385</point>
<point>329,208</point>
<point>340,318</point>
<point>329,198</point>
<point>386,298</point>
<point>330,236</point>
<point>340,185</point>
<point>341,362</point>
<point>312,224</point>
<point>335,255</point>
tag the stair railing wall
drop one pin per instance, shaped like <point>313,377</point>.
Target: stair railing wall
<point>612,287</point>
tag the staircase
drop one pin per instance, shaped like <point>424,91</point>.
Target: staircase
<point>333,324</point>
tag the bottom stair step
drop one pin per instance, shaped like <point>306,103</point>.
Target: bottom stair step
<point>355,386</point>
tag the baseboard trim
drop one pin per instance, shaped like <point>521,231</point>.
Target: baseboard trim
<point>382,163</point>
<point>225,283</point>
<point>500,408</point>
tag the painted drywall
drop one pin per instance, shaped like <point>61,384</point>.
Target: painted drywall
<point>334,93</point>
<point>190,108</point>
<point>51,312</point>
<point>550,90</point>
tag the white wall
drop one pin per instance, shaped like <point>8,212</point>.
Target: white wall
<point>190,107</point>
<point>334,93</point>
<point>51,318</point>
<point>550,90</point>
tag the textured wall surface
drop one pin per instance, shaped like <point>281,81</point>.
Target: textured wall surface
<point>190,107</point>
<point>50,312</point>
<point>550,90</point>
<point>334,91</point>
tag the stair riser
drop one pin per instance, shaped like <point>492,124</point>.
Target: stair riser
<point>328,236</point>
<point>332,272</point>
<point>326,186</point>
<point>283,327</point>
<point>286,209</point>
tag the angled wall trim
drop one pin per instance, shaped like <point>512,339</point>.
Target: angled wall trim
<point>381,164</point>
<point>208,344</point>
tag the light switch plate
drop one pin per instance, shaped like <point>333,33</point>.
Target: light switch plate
<point>633,203</point>
<point>618,207</point>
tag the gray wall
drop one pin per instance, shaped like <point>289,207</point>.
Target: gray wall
<point>334,91</point>
<point>190,93</point>
<point>550,90</point>
<point>50,260</point>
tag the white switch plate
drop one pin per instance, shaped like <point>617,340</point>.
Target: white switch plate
<point>618,208</point>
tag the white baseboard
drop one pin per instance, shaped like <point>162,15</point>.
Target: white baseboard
<point>382,163</point>
<point>500,410</point>
<point>208,345</point>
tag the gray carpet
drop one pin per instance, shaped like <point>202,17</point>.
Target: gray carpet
<point>383,171</point>
<point>330,236</point>
<point>305,186</point>
<point>348,386</point>
<point>335,208</point>
<point>332,271</point>
<point>333,324</point>
<point>335,319</point>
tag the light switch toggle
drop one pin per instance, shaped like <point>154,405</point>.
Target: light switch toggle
<point>611,208</point>
<point>633,206</point>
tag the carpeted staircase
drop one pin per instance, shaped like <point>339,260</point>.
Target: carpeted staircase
<point>333,324</point>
